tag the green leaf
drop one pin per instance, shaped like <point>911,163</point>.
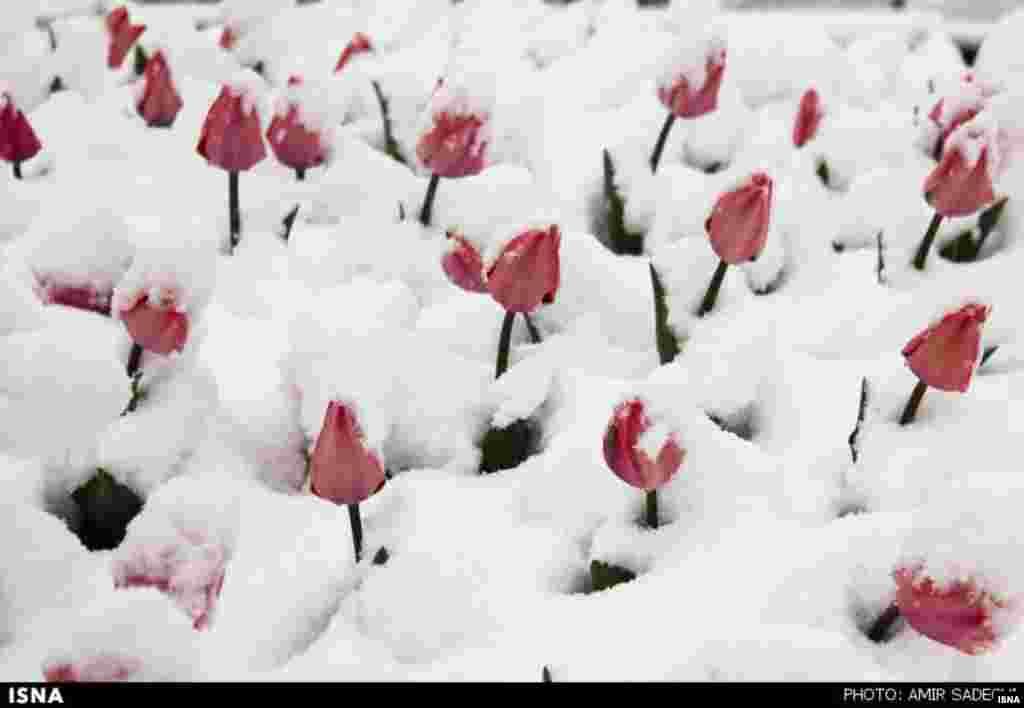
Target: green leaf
<point>623,241</point>
<point>605,575</point>
<point>506,448</point>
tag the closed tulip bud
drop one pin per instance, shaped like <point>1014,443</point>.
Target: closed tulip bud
<point>79,297</point>
<point>122,34</point>
<point>160,101</point>
<point>18,142</point>
<point>463,265</point>
<point>231,138</point>
<point>945,354</point>
<point>296,144</point>
<point>739,222</point>
<point>808,118</point>
<point>641,454</point>
<point>692,91</point>
<point>359,44</point>
<point>93,669</point>
<point>453,141</point>
<point>228,38</point>
<point>960,613</point>
<point>961,184</point>
<point>343,469</point>
<point>157,328</point>
<point>526,272</point>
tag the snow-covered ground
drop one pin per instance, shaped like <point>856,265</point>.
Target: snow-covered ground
<point>776,549</point>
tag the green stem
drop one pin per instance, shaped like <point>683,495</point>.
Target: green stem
<point>356,522</point>
<point>652,508</point>
<point>300,174</point>
<point>884,623</point>
<point>233,214</point>
<point>713,288</point>
<point>659,146</point>
<point>134,360</point>
<point>504,344</point>
<point>428,202</point>
<point>17,169</point>
<point>532,329</point>
<point>926,242</point>
<point>913,402</point>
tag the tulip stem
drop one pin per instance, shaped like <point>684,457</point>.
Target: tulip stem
<point>926,242</point>
<point>651,508</point>
<point>915,400</point>
<point>357,530</point>
<point>713,288</point>
<point>134,360</point>
<point>235,217</point>
<point>884,623</point>
<point>17,169</point>
<point>532,328</point>
<point>428,202</point>
<point>300,174</point>
<point>659,147</point>
<point>504,343</point>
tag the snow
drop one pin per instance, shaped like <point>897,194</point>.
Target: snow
<point>776,547</point>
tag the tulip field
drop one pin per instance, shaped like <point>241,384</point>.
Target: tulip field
<point>517,341</point>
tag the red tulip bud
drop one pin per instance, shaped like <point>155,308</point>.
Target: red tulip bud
<point>808,118</point>
<point>231,137</point>
<point>122,34</point>
<point>80,297</point>
<point>160,101</point>
<point>228,38</point>
<point>343,469</point>
<point>295,143</point>
<point>945,354</point>
<point>690,94</point>
<point>637,452</point>
<point>156,328</point>
<point>102,667</point>
<point>454,141</point>
<point>463,265</point>
<point>359,44</point>
<point>18,142</point>
<point>738,225</point>
<point>958,613</point>
<point>961,184</point>
<point>526,272</point>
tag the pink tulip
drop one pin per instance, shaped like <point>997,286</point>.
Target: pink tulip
<point>231,137</point>
<point>454,144</point>
<point>526,272</point>
<point>738,225</point>
<point>961,185</point>
<point>294,143</point>
<point>958,613</point>
<point>188,568</point>
<point>359,44</point>
<point>160,101</point>
<point>463,265</point>
<point>18,142</point>
<point>228,38</point>
<point>808,118</point>
<point>343,469</point>
<point>123,34</point>
<point>944,355</point>
<point>157,328</point>
<point>98,668</point>
<point>970,98</point>
<point>686,98</point>
<point>626,456</point>
<point>80,297</point>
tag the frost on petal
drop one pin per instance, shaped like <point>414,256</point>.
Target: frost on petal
<point>692,77</point>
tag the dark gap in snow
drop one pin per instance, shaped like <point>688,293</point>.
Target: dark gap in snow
<point>105,508</point>
<point>507,448</point>
<point>604,576</point>
<point>968,50</point>
<point>741,423</point>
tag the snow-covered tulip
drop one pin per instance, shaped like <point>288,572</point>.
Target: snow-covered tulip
<point>154,327</point>
<point>122,35</point>
<point>962,183</point>
<point>190,569</point>
<point>689,87</point>
<point>232,140</point>
<point>295,143</point>
<point>18,142</point>
<point>969,98</point>
<point>160,102</point>
<point>738,228</point>
<point>945,354</point>
<point>462,264</point>
<point>526,272</point>
<point>641,453</point>
<point>960,612</point>
<point>79,297</point>
<point>359,44</point>
<point>343,469</point>
<point>452,141</point>
<point>92,669</point>
<point>808,118</point>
